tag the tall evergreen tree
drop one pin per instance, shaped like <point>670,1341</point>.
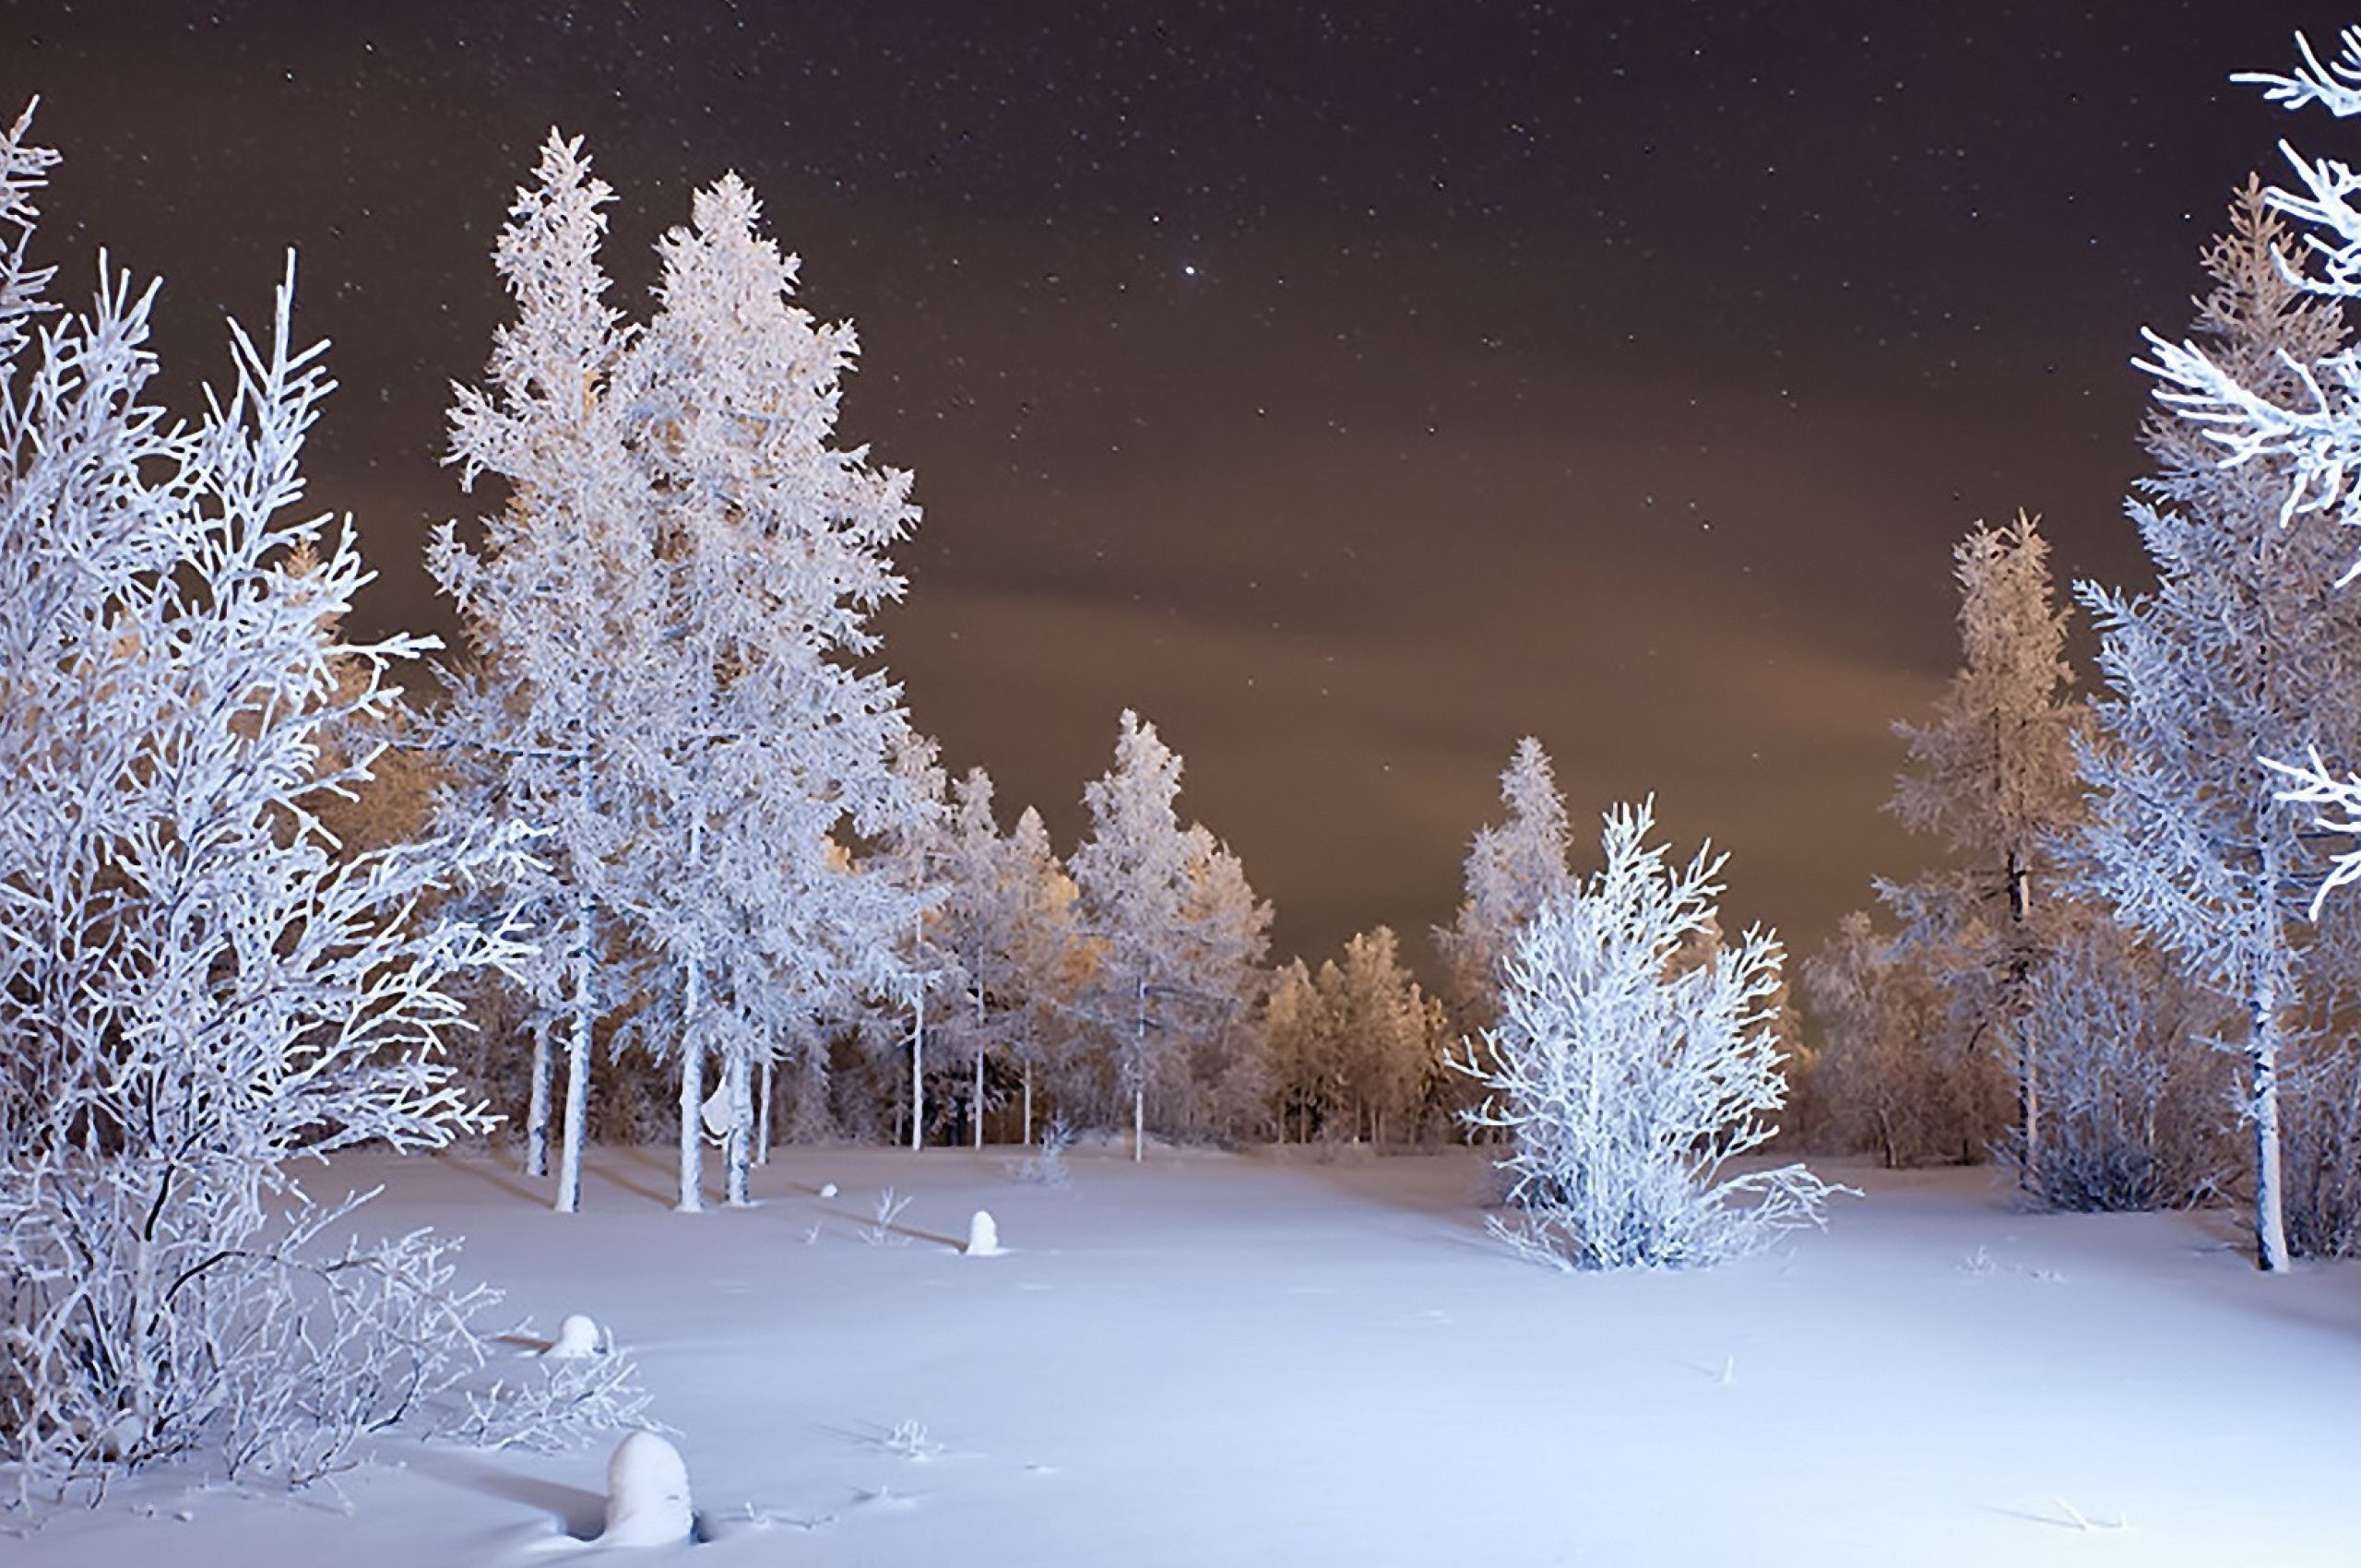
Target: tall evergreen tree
<point>1178,929</point>
<point>1513,868</point>
<point>1993,771</point>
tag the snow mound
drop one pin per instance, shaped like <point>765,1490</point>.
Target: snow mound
<point>828,1189</point>
<point>983,1236</point>
<point>577,1336</point>
<point>648,1494</point>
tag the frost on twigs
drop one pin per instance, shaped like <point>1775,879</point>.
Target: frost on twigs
<point>1636,1058</point>
<point>199,985</point>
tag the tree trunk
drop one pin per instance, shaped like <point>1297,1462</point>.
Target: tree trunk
<point>577,1075</point>
<point>1029,1103</point>
<point>763,1112</point>
<point>570,1156</point>
<point>976,1097</point>
<point>692,1191</point>
<point>917,1072</point>
<point>738,1148</point>
<point>2270,1199</point>
<point>2013,1009</point>
<point>1139,1072</point>
<point>536,1107</point>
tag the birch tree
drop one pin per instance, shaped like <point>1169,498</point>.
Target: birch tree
<point>198,986</point>
<point>2243,649</point>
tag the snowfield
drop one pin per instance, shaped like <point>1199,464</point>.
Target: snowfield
<point>1216,1359</point>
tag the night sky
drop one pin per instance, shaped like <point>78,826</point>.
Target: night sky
<point>1351,389</point>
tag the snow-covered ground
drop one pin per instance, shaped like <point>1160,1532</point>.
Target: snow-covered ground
<point>1212,1360</point>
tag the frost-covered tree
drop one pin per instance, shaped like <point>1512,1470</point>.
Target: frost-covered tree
<point>1894,1076</point>
<point>198,986</point>
<point>2242,650</point>
<point>1628,1082</point>
<point>1177,929</point>
<point>1379,1033</point>
<point>1006,924</point>
<point>2137,1099</point>
<point>1050,961</point>
<point>672,625</point>
<point>780,732</point>
<point>1993,771</point>
<point>542,725</point>
<point>1513,868</point>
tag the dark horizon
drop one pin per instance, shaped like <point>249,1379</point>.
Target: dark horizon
<point>1352,394</point>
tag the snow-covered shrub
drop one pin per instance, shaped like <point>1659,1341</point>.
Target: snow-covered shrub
<point>1046,1166</point>
<point>2136,1103</point>
<point>199,984</point>
<point>1628,1080</point>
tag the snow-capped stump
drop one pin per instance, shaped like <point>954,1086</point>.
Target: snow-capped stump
<point>648,1494</point>
<point>983,1236</point>
<point>577,1336</point>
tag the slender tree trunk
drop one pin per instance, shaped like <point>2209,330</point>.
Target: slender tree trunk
<point>738,1148</point>
<point>537,1106</point>
<point>763,1112</point>
<point>2262,1048</point>
<point>917,1072</point>
<point>976,1097</point>
<point>1029,1103</point>
<point>692,1193</point>
<point>2014,1009</point>
<point>1139,1078</point>
<point>578,1069</point>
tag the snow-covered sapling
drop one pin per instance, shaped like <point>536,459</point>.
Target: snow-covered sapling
<point>1628,1071</point>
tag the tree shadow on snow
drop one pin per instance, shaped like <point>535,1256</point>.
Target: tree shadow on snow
<point>488,1170</point>
<point>580,1513</point>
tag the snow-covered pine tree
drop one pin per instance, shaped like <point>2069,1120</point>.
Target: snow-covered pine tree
<point>542,725</point>
<point>1628,1082</point>
<point>1050,961</point>
<point>1513,868</point>
<point>1993,772</point>
<point>2242,650</point>
<point>1006,926</point>
<point>1177,929</point>
<point>1295,1042</point>
<point>197,988</point>
<point>1221,1083</point>
<point>778,734</point>
<point>1376,1020</point>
